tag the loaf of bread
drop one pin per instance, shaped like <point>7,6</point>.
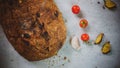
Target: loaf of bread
<point>35,28</point>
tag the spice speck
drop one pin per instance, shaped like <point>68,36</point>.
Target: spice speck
<point>98,2</point>
<point>65,58</point>
<point>103,7</point>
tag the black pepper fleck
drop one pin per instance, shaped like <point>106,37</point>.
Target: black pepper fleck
<point>41,26</point>
<point>26,35</point>
<point>60,45</point>
<point>103,7</point>
<point>65,58</point>
<point>56,13</point>
<point>98,2</point>
<point>45,35</point>
<point>38,14</point>
<point>33,24</point>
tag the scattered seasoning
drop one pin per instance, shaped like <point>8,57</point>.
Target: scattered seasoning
<point>41,26</point>
<point>98,2</point>
<point>45,35</point>
<point>56,13</point>
<point>26,35</point>
<point>33,24</point>
<point>60,45</point>
<point>103,7</point>
<point>65,58</point>
<point>38,14</point>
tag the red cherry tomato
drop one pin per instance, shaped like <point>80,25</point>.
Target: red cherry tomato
<point>83,23</point>
<point>75,9</point>
<point>85,37</point>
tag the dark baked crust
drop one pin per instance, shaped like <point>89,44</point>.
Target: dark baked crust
<point>35,28</point>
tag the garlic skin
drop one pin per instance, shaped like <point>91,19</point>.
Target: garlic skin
<point>75,43</point>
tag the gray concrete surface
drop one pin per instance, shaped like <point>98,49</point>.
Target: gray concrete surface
<point>89,56</point>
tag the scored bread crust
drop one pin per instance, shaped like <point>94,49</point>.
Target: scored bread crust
<point>35,28</point>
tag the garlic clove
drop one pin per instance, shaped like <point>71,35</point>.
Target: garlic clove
<point>75,43</point>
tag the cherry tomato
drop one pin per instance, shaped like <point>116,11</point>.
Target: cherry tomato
<point>83,23</point>
<point>75,9</point>
<point>85,37</point>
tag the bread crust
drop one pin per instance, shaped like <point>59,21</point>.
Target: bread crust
<point>35,28</point>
